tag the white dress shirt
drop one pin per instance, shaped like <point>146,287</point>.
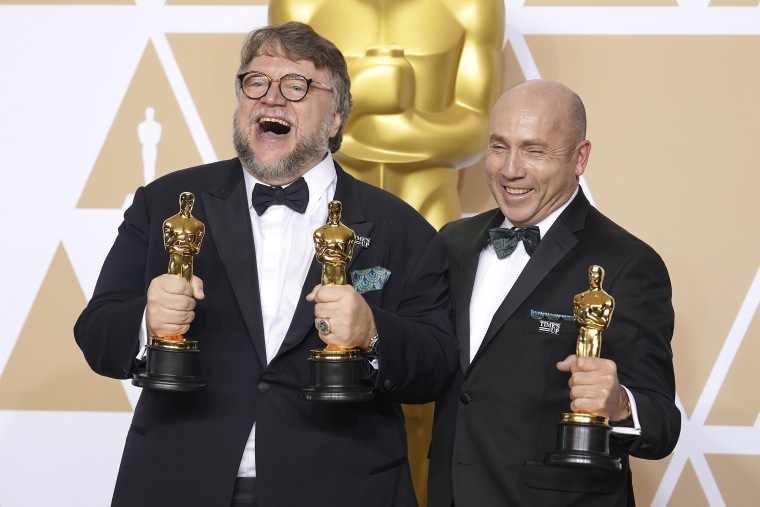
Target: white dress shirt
<point>284,252</point>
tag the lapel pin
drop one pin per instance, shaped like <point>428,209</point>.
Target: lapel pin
<point>362,241</point>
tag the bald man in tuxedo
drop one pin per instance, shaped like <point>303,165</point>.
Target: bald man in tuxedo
<point>516,333</point>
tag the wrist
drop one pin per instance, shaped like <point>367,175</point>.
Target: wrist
<point>625,421</point>
<point>372,346</point>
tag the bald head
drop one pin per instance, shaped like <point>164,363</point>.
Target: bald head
<point>563,103</point>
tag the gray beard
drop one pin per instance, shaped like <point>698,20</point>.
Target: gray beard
<point>300,159</point>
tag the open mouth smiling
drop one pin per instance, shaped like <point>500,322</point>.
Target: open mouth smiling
<point>276,126</point>
<point>516,191</point>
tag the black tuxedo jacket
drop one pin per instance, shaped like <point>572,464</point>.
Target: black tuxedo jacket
<point>185,449</point>
<point>502,409</point>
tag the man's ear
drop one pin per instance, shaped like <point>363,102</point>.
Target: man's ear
<point>581,157</point>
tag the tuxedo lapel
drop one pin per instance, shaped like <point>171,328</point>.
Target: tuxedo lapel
<point>303,317</point>
<point>352,217</point>
<point>229,220</point>
<point>347,192</point>
<point>559,240</point>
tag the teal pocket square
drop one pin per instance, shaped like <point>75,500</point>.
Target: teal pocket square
<point>365,280</point>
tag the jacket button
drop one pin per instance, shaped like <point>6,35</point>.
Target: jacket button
<point>264,387</point>
<point>464,398</point>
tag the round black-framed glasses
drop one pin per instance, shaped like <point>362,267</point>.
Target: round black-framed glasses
<point>293,87</point>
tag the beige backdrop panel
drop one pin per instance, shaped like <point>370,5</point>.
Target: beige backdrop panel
<point>673,120</point>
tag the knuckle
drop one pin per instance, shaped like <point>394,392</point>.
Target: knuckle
<point>180,330</point>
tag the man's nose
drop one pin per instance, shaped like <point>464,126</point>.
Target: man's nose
<point>273,95</point>
<point>514,165</point>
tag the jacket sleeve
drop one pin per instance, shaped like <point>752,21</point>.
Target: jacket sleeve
<point>107,330</point>
<point>418,354</point>
<point>643,327</point>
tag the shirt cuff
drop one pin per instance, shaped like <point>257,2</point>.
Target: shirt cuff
<point>142,336</point>
<point>624,430</point>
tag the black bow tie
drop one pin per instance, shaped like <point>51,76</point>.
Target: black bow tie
<point>295,196</point>
<point>505,241</point>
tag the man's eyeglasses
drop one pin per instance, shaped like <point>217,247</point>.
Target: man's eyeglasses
<point>292,86</point>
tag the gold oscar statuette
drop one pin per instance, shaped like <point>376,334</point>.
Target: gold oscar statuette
<point>335,371</point>
<point>583,438</point>
<point>592,310</point>
<point>172,362</point>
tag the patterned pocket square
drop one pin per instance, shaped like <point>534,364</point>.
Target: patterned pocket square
<point>365,280</point>
<point>539,315</point>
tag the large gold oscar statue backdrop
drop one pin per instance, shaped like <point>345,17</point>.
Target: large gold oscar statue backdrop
<point>424,76</point>
<point>128,90</point>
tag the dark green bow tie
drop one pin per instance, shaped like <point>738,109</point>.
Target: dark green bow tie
<point>505,241</point>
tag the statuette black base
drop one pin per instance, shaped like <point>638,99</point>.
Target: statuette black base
<point>581,463</point>
<point>583,444</point>
<point>336,377</point>
<point>171,370</point>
